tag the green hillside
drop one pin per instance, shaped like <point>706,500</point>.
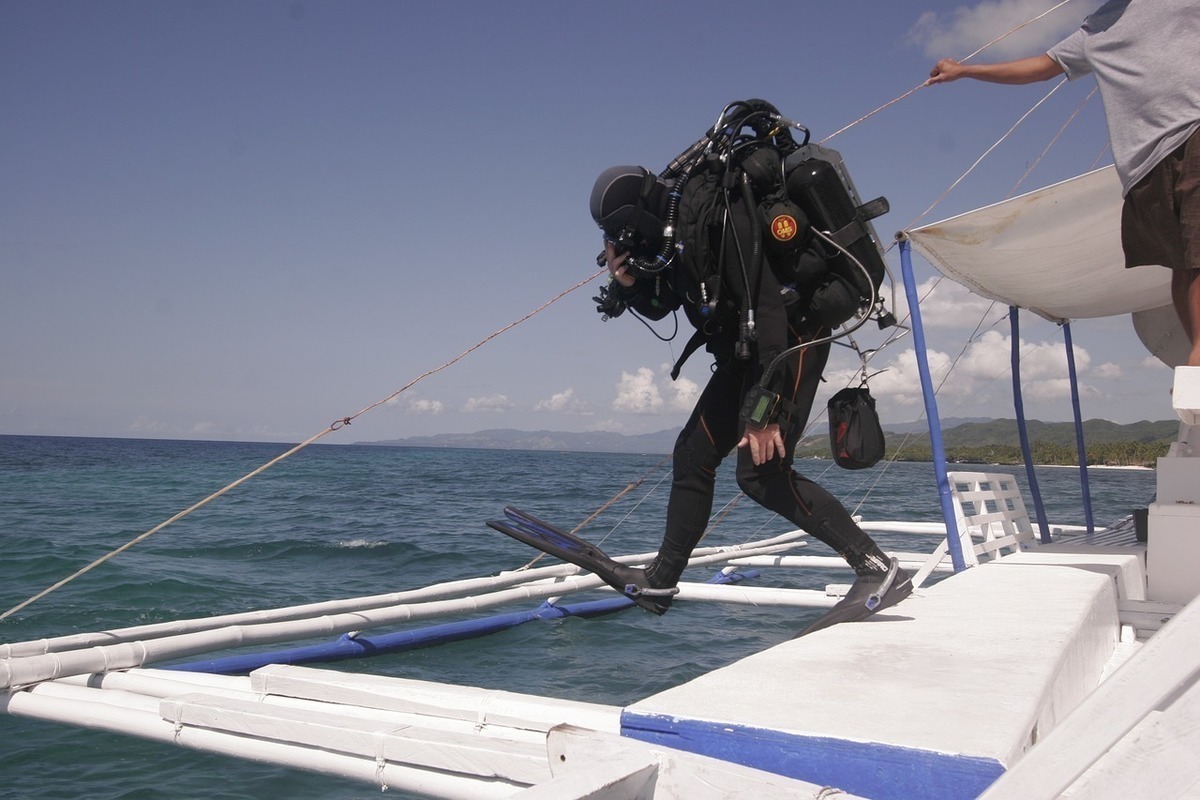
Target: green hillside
<point>997,442</point>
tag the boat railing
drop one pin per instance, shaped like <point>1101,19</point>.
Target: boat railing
<point>987,507</point>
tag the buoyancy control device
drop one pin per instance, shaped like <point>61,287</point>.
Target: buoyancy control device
<point>744,196</point>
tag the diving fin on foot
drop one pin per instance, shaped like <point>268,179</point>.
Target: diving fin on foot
<point>869,594</point>
<point>630,581</point>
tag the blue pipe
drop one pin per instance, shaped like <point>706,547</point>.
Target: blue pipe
<point>953,543</point>
<point>1080,448</point>
<point>347,646</point>
<point>1019,405</point>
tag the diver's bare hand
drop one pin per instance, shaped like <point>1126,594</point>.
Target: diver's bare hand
<point>616,265</point>
<point>764,443</point>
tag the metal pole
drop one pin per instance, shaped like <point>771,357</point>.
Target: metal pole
<point>1022,431</point>
<point>1079,445</point>
<point>953,542</point>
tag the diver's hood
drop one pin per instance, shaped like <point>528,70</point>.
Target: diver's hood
<point>629,204</point>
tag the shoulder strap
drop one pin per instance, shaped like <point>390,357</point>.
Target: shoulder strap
<point>693,344</point>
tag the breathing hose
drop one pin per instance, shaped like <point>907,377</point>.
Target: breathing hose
<point>751,273</point>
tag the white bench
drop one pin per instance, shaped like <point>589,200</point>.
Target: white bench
<point>988,507</point>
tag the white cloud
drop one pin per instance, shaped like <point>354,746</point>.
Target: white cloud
<point>417,405</point>
<point>492,402</point>
<point>1108,370</point>
<point>1152,362</point>
<point>957,33</point>
<point>946,304</point>
<point>637,393</point>
<point>562,402</point>
<point>684,391</point>
<point>145,425</point>
<point>643,392</point>
<point>952,305</point>
<point>982,373</point>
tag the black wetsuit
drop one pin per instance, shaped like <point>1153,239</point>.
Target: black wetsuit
<point>713,431</point>
<point>714,428</point>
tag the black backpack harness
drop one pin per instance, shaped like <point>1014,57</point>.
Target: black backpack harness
<point>747,193</point>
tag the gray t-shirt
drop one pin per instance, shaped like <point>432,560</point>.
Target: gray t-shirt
<point>1145,55</point>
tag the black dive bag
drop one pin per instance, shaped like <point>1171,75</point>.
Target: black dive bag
<point>855,435</point>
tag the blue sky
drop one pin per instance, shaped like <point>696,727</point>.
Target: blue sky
<point>243,220</point>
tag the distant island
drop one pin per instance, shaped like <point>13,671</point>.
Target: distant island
<point>1139,444</point>
<point>511,439</point>
<point>967,440</point>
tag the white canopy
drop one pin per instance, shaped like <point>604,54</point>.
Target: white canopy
<point>1056,252</point>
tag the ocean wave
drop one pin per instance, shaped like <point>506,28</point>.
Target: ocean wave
<point>361,543</point>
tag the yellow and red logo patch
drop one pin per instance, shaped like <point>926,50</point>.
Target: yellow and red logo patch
<point>784,227</point>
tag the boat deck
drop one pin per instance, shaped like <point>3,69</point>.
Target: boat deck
<point>913,702</point>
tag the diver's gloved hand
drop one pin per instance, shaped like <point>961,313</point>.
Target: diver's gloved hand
<point>609,303</point>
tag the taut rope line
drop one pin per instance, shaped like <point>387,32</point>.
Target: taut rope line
<point>1053,142</point>
<point>923,84</point>
<point>334,426</point>
<point>346,420</point>
<point>985,154</point>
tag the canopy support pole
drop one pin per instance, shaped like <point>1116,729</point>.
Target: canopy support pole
<point>1019,406</point>
<point>1080,448</point>
<point>953,535</point>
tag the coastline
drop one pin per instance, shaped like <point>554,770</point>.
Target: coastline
<point>1099,466</point>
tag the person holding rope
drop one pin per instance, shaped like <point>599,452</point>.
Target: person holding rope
<point>1145,57</point>
<point>764,312</point>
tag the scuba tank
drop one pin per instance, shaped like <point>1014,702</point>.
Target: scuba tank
<point>818,182</point>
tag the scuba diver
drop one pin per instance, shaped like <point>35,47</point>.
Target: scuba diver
<point>745,348</point>
<point>724,234</point>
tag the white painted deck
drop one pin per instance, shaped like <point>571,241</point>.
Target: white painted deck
<point>921,700</point>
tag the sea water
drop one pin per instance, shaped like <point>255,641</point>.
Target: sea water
<point>346,520</point>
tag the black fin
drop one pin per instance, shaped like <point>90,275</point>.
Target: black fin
<point>868,595</point>
<point>571,548</point>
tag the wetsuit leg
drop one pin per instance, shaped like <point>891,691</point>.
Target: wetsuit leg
<point>708,436</point>
<point>792,495</point>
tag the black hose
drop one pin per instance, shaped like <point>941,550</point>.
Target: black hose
<point>770,370</point>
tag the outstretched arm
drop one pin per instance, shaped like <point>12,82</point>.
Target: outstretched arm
<point>1024,70</point>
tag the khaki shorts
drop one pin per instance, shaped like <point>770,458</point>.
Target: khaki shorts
<point>1160,221</point>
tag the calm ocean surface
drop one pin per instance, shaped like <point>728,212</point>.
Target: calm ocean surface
<point>338,521</point>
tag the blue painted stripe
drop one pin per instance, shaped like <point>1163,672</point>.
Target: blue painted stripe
<point>346,647</point>
<point>868,769</point>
